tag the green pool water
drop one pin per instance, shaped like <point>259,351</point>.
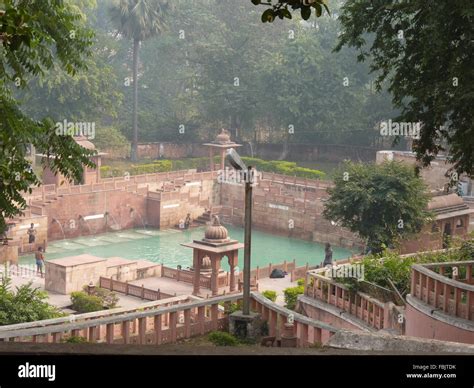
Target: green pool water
<point>163,246</point>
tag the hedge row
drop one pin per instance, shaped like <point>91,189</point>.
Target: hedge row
<point>274,166</point>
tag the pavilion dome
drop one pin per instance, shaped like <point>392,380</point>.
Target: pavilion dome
<point>206,263</point>
<point>215,231</point>
<point>84,142</point>
<point>223,137</point>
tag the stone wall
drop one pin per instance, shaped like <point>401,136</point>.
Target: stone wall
<point>301,152</point>
<point>70,211</point>
<point>167,150</point>
<point>292,210</point>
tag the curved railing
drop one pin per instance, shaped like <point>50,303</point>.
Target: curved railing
<point>445,286</point>
<point>368,309</point>
<point>166,321</point>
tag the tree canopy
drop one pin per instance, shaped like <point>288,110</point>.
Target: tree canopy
<point>35,37</point>
<point>383,203</point>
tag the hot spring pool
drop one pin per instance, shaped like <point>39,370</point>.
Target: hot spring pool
<point>163,246</point>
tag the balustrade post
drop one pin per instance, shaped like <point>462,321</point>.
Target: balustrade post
<point>187,323</point>
<point>126,332</point>
<point>142,331</point>
<point>110,333</point>
<point>446,295</point>
<point>214,316</point>
<point>173,324</point>
<point>201,319</point>
<point>157,324</point>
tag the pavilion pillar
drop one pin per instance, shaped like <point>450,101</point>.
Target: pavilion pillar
<point>233,260</point>
<point>197,272</point>
<point>215,273</point>
<point>223,159</point>
<point>211,158</point>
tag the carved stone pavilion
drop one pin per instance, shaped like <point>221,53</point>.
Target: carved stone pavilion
<point>221,143</point>
<point>209,252</point>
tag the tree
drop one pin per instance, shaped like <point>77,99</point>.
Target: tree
<point>382,203</point>
<point>35,36</point>
<point>26,304</point>
<point>281,8</point>
<point>138,20</point>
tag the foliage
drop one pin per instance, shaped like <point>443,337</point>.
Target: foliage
<point>74,340</point>
<point>220,338</point>
<point>283,167</point>
<point>98,300</point>
<point>281,9</point>
<point>383,203</point>
<point>378,269</point>
<point>423,52</point>
<point>35,37</point>
<point>269,294</point>
<point>291,296</point>
<point>109,298</point>
<point>300,282</point>
<point>85,303</point>
<point>26,304</point>
<point>110,140</point>
<point>138,20</point>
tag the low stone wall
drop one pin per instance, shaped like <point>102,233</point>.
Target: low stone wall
<point>268,151</point>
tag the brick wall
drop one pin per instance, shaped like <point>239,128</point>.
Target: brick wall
<point>70,209</point>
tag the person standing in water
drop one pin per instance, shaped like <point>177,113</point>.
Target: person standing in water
<point>31,234</point>
<point>327,255</point>
<point>39,256</point>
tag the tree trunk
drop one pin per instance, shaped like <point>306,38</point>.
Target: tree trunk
<point>134,150</point>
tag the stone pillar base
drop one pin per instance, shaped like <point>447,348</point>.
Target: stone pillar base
<point>245,326</point>
<point>288,337</point>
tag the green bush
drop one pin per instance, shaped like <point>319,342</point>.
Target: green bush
<point>110,140</point>
<point>291,296</point>
<point>300,282</point>
<point>26,304</point>
<point>272,295</point>
<point>84,303</point>
<point>220,338</point>
<point>164,165</point>
<point>109,299</point>
<point>74,340</point>
<point>283,167</point>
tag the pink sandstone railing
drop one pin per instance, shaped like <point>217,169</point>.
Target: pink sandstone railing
<point>370,310</point>
<point>132,289</point>
<point>293,180</point>
<point>185,276</point>
<point>264,272</point>
<point>48,192</point>
<point>17,270</point>
<point>440,285</point>
<point>156,323</point>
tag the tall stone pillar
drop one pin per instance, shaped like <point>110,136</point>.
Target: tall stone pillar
<point>215,273</point>
<point>197,272</point>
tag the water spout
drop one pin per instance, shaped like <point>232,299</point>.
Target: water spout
<point>133,212</point>
<point>116,225</point>
<point>55,221</point>
<point>81,218</point>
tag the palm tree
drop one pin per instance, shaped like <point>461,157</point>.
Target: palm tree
<point>138,20</point>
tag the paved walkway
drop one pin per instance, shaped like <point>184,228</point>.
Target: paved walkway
<point>63,301</point>
<point>277,285</point>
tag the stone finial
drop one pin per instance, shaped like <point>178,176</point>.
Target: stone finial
<point>215,231</point>
<point>223,137</point>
